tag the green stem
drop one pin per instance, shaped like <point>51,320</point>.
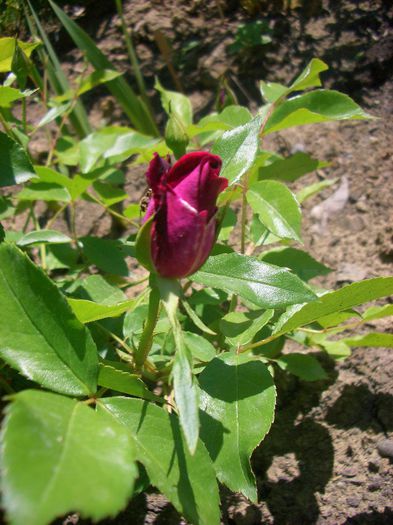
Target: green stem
<point>146,340</point>
<point>250,346</point>
<point>57,213</point>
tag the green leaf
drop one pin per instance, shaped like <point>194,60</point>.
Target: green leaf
<point>75,186</point>
<point>342,299</point>
<point>124,382</point>
<point>98,77</point>
<point>127,143</point>
<point>337,318</point>
<point>291,168</point>
<point>96,288</point>
<point>277,208</point>
<point>109,194</point>
<point>305,366</point>
<point>120,89</point>
<point>263,284</point>
<point>58,456</point>
<point>309,77</point>
<point>174,102</point>
<point>373,339</point>
<point>201,349</point>
<point>184,384</point>
<point>230,117</point>
<point>240,327</point>
<point>115,143</point>
<point>321,105</point>
<point>299,262</point>
<point>39,335</point>
<point>7,50</point>
<point>337,350</point>
<point>196,320</point>
<point>272,91</point>
<point>132,211</point>
<point>62,256</point>
<point>2,233</point>
<point>53,114</point>
<point>238,149</point>
<point>20,66</point>
<point>15,165</point>
<point>89,311</point>
<point>188,481</point>
<point>237,410</point>
<point>377,312</point>
<point>313,189</point>
<point>107,254</point>
<point>9,95</point>
<point>43,237</point>
<point>143,245</point>
<point>44,191</point>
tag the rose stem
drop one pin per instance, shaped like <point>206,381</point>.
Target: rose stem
<point>146,339</point>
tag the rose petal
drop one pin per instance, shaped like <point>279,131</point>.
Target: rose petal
<point>179,232</point>
<point>157,168</point>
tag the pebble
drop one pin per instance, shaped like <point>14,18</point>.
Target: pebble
<point>374,485</point>
<point>385,448</point>
<point>361,206</point>
<point>349,472</point>
<point>353,502</point>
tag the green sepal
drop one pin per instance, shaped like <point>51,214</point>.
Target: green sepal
<point>143,245</point>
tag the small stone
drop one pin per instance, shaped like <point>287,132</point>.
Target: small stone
<point>349,472</point>
<point>374,485</point>
<point>353,502</point>
<point>385,448</point>
<point>361,206</point>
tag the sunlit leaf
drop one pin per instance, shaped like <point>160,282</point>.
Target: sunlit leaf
<point>60,455</point>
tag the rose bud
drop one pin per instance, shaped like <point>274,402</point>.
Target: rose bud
<point>183,206</point>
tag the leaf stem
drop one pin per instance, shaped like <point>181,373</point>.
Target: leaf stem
<point>250,346</point>
<point>54,217</point>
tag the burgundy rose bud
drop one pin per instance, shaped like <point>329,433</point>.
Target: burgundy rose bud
<point>183,205</point>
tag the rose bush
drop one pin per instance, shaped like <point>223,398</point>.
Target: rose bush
<point>183,206</point>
